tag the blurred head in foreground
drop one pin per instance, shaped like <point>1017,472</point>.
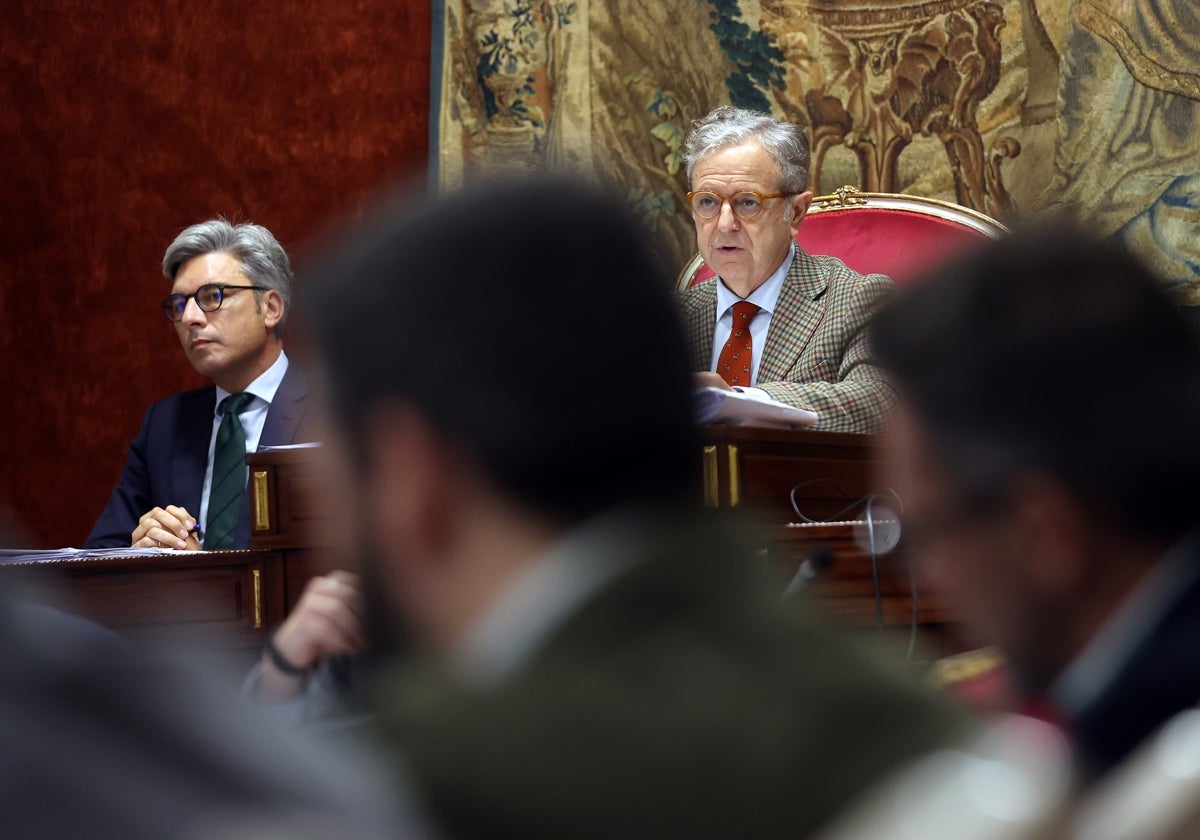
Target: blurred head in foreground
<point>466,347</point>
<point>757,167</point>
<point>1047,443</point>
<point>513,419</point>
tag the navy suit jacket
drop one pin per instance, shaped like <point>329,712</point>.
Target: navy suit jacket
<point>168,458</point>
<point>1159,680</point>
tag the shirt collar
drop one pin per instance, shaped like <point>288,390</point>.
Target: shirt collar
<point>765,296</point>
<point>1089,673</point>
<point>555,585</point>
<point>265,386</point>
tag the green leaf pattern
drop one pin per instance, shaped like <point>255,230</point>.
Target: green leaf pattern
<point>506,49</point>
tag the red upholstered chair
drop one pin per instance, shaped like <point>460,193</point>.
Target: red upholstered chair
<point>897,235</point>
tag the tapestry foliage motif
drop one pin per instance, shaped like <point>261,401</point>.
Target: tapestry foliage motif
<point>1004,106</point>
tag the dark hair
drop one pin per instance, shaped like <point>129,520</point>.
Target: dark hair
<point>531,325</point>
<point>1055,351</point>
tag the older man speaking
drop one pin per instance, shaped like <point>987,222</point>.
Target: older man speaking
<point>776,322</point>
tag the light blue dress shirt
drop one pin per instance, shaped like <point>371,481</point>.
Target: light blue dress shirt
<point>765,297</point>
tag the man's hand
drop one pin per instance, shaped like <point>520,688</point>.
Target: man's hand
<point>327,620</point>
<point>169,527</point>
<point>709,379</point>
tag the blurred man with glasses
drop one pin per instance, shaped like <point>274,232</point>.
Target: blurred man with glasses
<point>183,484</point>
<point>776,322</point>
<point>1045,445</point>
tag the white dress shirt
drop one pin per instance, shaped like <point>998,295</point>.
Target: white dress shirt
<point>765,297</point>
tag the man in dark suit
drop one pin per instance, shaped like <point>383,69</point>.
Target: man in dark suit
<point>588,654</point>
<point>1046,448</point>
<point>230,293</point>
<point>776,322</point>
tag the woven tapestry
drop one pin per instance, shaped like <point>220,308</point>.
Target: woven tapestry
<point>1007,107</point>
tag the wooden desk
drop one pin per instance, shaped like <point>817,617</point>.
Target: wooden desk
<point>225,601</point>
<point>230,599</point>
<point>220,600</point>
<point>747,470</point>
<point>752,470</point>
<point>286,510</point>
<point>288,518</point>
<point>843,581</point>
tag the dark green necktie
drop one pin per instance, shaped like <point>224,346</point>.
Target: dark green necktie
<point>228,476</point>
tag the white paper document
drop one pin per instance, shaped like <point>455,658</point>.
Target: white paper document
<point>284,447</point>
<point>716,405</point>
<point>33,555</point>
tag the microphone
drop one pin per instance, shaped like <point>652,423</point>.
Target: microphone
<point>819,560</point>
<point>879,532</point>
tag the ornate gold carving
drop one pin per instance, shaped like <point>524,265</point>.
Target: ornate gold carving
<point>847,196</point>
<point>711,485</point>
<point>949,211</point>
<point>872,74</point>
<point>262,507</point>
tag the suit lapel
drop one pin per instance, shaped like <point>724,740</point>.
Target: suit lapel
<point>1151,686</point>
<point>189,455</point>
<point>701,321</point>
<point>798,312</point>
<point>286,409</point>
<point>283,418</point>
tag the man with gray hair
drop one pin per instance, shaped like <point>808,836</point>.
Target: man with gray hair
<point>184,481</point>
<point>776,322</point>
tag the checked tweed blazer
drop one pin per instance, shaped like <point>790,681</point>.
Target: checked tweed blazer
<point>816,353</point>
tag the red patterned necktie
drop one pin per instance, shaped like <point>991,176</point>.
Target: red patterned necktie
<point>735,362</point>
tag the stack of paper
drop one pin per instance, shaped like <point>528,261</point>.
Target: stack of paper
<point>717,405</point>
<point>49,555</point>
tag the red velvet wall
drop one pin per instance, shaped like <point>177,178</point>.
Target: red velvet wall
<point>120,124</point>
